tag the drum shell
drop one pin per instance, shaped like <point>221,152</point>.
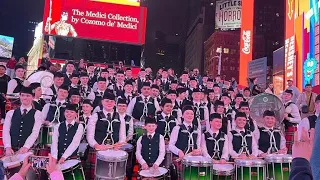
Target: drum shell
<point>279,166</point>
<point>219,172</point>
<point>45,137</point>
<point>163,176</point>
<point>197,167</point>
<point>254,169</point>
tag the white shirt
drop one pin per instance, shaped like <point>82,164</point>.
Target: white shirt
<point>162,150</point>
<point>296,93</point>
<point>282,140</point>
<point>134,100</point>
<point>305,124</point>
<point>130,130</point>
<point>92,128</point>
<point>12,84</point>
<point>48,94</point>
<point>174,137</point>
<point>294,111</point>
<point>35,131</point>
<point>46,108</point>
<point>254,145</point>
<point>225,150</point>
<point>72,147</point>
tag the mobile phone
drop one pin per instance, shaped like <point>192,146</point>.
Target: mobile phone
<point>39,162</point>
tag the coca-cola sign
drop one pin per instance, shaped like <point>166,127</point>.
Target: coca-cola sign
<point>246,38</point>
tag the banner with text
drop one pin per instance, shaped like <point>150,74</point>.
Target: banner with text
<point>228,14</point>
<point>95,20</point>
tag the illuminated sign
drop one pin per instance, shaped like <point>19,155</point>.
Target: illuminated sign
<point>228,14</point>
<point>124,2</point>
<point>309,69</point>
<point>246,40</point>
<point>95,20</point>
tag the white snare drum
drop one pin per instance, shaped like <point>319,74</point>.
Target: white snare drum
<point>159,175</point>
<point>279,166</point>
<point>111,164</point>
<point>12,165</point>
<point>223,170</point>
<point>247,169</point>
<point>196,167</point>
<point>72,170</point>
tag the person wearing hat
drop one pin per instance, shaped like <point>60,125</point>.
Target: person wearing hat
<point>141,79</point>
<point>291,118</point>
<point>226,118</point>
<point>242,143</point>
<point>185,138</point>
<point>75,98</point>
<point>15,84</point>
<point>226,99</point>
<point>92,77</point>
<point>214,142</point>
<point>294,89</point>
<point>310,121</point>
<point>251,124</point>
<point>270,139</point>
<point>155,92</point>
<point>173,85</point>
<point>53,112</point>
<point>129,76</point>
<point>51,93</point>
<point>103,74</point>
<point>70,68</point>
<point>86,91</point>
<point>206,101</point>
<point>151,146</point>
<point>217,91</point>
<point>176,111</point>
<point>181,97</point>
<point>74,79</point>
<point>67,136</point>
<point>193,84</point>
<point>239,98</point>
<point>101,88</point>
<point>201,111</point>
<point>86,109</point>
<point>22,125</point>
<point>203,85</point>
<point>105,130</point>
<point>127,119</point>
<point>165,82</point>
<point>38,102</point>
<point>143,105</point>
<point>165,120</point>
<point>118,86</point>
<point>128,90</point>
<point>232,94</point>
<point>184,79</point>
<point>246,94</point>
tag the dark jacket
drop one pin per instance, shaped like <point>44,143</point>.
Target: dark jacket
<point>300,170</point>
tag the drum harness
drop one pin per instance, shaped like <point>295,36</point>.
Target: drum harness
<point>216,146</point>
<point>167,128</point>
<point>190,140</point>
<point>56,116</point>
<point>109,129</point>
<point>198,113</point>
<point>145,108</point>
<point>272,140</point>
<point>244,144</point>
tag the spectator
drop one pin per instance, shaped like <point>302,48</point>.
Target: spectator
<point>270,89</point>
<point>256,89</point>
<point>294,89</point>
<point>4,79</point>
<point>11,64</point>
<point>306,101</point>
<point>197,75</point>
<point>234,83</point>
<point>315,159</point>
<point>22,62</point>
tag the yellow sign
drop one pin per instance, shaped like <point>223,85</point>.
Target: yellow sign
<point>124,2</point>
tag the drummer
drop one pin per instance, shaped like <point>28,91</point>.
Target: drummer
<point>226,119</point>
<point>124,117</point>
<point>201,111</point>
<point>165,120</point>
<point>128,89</point>
<point>214,143</point>
<point>22,125</point>
<point>38,102</point>
<point>51,93</point>
<point>242,144</point>
<point>101,84</point>
<point>69,71</point>
<point>251,124</point>
<point>176,111</point>
<point>270,140</point>
<point>51,110</point>
<point>150,147</point>
<point>67,136</point>
<point>74,79</point>
<point>15,84</point>
<point>85,90</point>
<point>86,114</point>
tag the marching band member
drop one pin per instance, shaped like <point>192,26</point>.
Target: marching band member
<point>104,131</point>
<point>214,143</point>
<point>239,98</point>
<point>118,86</point>
<point>103,74</point>
<point>22,125</point>
<point>176,111</point>
<point>92,77</point>
<point>291,118</point>
<point>310,121</point>
<point>270,140</point>
<point>247,94</point>
<point>86,114</point>
<point>173,85</point>
<point>165,120</point>
<point>210,84</point>
<point>54,111</point>
<point>74,80</point>
<point>155,92</point>
<point>217,91</point>
<point>124,117</point>
<point>165,83</point>
<point>226,118</point>
<point>193,84</point>
<point>51,93</point>
<point>143,105</point>
<point>129,76</point>
<point>206,101</point>
<point>128,89</point>
<point>38,102</point>
<point>242,144</point>
<point>151,146</point>
<point>226,99</point>
<point>142,78</point>
<point>185,138</point>
<point>184,79</point>
<point>102,86</point>
<point>85,90</point>
<point>201,112</point>
<point>75,98</point>
<point>69,71</point>
<point>251,124</point>
<point>16,84</point>
<point>67,136</point>
<point>181,97</point>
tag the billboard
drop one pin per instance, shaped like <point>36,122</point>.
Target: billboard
<point>228,14</point>
<point>95,20</point>
<point>124,2</point>
<point>258,69</point>
<point>6,46</point>
<point>246,39</point>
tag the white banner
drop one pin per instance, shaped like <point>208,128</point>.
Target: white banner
<point>228,14</point>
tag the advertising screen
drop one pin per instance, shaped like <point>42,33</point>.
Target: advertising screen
<point>6,46</point>
<point>228,14</point>
<point>95,20</point>
<point>124,2</point>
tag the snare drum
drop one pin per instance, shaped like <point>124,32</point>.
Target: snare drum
<point>111,164</point>
<point>159,175</point>
<point>196,167</point>
<point>12,165</point>
<point>139,129</point>
<point>250,169</point>
<point>279,166</point>
<point>46,133</point>
<point>223,172</point>
<point>72,170</point>
<point>129,149</point>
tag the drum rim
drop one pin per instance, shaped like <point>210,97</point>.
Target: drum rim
<point>196,163</point>
<point>223,173</point>
<point>284,158</point>
<point>166,171</point>
<point>72,168</point>
<point>18,163</point>
<point>112,158</point>
<point>252,163</point>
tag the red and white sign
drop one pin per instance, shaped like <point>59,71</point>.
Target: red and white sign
<point>95,20</point>
<point>228,14</point>
<point>289,46</point>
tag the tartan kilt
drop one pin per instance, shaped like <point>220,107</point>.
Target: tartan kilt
<point>289,135</point>
<point>91,164</point>
<point>178,165</point>
<point>43,151</point>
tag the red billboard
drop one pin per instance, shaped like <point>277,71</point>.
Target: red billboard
<point>246,39</point>
<point>95,20</point>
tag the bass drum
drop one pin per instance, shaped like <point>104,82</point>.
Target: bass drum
<point>45,78</point>
<point>263,102</point>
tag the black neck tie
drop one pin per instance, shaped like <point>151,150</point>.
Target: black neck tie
<point>214,135</point>
<point>69,126</point>
<point>189,128</point>
<point>120,87</point>
<point>59,104</point>
<point>242,133</point>
<point>145,100</point>
<point>109,116</point>
<point>24,112</point>
<point>101,94</point>
<point>167,118</point>
<point>150,137</point>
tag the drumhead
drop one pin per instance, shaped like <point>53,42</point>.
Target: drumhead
<point>112,155</point>
<point>69,164</point>
<point>223,169</point>
<point>147,173</point>
<point>14,161</point>
<point>139,124</point>
<point>127,147</point>
<point>45,78</point>
<point>278,158</point>
<point>250,162</point>
<point>197,161</point>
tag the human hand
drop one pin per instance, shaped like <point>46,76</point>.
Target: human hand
<point>181,154</point>
<point>196,152</point>
<point>23,150</point>
<point>252,157</point>
<point>25,167</point>
<point>145,166</point>
<point>9,151</point>
<point>155,167</point>
<point>303,148</point>
<point>51,166</point>
<point>263,155</point>
<point>62,160</point>
<point>222,161</point>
